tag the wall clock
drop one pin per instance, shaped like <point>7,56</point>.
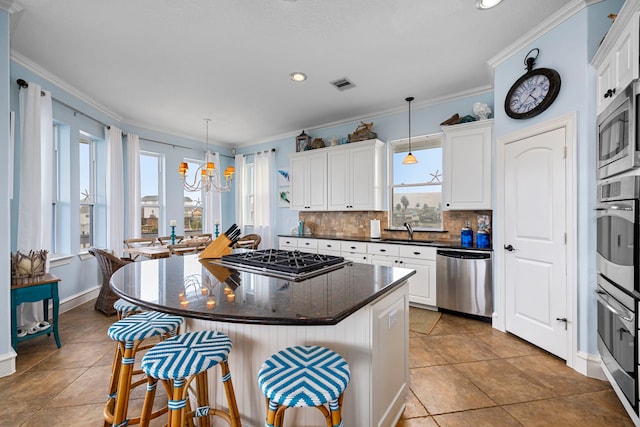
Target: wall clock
<point>533,92</point>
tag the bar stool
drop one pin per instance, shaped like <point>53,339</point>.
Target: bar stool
<point>129,333</point>
<point>304,376</point>
<point>178,361</point>
<point>125,308</point>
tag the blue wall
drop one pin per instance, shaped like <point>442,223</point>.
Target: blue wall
<point>568,49</point>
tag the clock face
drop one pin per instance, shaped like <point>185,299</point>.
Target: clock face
<point>532,93</point>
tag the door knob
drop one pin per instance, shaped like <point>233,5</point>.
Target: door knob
<point>509,248</point>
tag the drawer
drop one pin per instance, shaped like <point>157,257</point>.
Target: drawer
<point>382,249</point>
<point>329,245</point>
<point>419,252</point>
<point>353,247</point>
<point>288,242</point>
<point>308,245</point>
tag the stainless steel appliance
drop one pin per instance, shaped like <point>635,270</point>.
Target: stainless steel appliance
<point>464,281</point>
<point>618,149</point>
<point>618,231</point>
<point>293,265</point>
<point>618,265</point>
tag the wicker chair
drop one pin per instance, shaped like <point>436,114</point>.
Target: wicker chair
<point>248,241</point>
<point>109,264</point>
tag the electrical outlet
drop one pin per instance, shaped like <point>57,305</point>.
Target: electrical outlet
<point>393,318</point>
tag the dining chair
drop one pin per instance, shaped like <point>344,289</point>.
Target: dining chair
<point>109,264</point>
<point>137,243</point>
<point>187,247</point>
<point>248,241</point>
<point>166,240</point>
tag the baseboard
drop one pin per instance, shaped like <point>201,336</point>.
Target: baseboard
<point>8,363</point>
<point>589,365</point>
<point>76,300</point>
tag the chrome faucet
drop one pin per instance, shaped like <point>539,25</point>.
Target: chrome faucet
<point>409,230</point>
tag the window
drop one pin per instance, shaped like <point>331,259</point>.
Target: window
<point>193,206</point>
<point>248,192</point>
<point>416,190</point>
<point>150,193</point>
<point>86,178</point>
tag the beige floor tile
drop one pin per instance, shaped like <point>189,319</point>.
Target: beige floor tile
<point>443,389</point>
<point>450,324</point>
<point>506,345</point>
<point>502,382</point>
<point>553,372</point>
<point>422,354</point>
<point>70,416</point>
<point>588,410</point>
<point>37,387</point>
<point>488,417</point>
<point>89,388</point>
<point>458,348</point>
<point>413,407</point>
<point>417,422</point>
<point>75,355</point>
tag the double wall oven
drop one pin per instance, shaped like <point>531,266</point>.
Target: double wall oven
<point>618,281</point>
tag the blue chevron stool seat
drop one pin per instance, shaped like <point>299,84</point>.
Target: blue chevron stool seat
<point>177,362</point>
<point>129,334</point>
<point>125,308</point>
<point>304,376</point>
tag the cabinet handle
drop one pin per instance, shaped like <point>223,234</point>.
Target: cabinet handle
<point>352,247</point>
<point>383,250</point>
<point>329,246</point>
<point>416,253</point>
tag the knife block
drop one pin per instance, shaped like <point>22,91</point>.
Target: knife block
<point>217,248</point>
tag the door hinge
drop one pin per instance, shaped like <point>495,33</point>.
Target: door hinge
<point>565,151</point>
<point>565,237</point>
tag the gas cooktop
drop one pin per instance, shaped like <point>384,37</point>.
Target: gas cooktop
<point>288,264</point>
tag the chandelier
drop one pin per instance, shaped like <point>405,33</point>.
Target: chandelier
<point>208,174</point>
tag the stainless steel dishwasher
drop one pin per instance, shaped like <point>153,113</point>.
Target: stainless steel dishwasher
<point>464,281</point>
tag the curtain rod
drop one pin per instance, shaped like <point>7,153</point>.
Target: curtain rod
<point>174,145</point>
<point>22,83</point>
<point>259,152</point>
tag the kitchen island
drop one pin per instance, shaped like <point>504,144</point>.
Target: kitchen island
<point>358,310</point>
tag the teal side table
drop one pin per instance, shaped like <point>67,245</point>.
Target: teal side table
<point>41,288</point>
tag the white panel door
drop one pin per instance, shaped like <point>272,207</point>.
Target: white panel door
<point>535,248</point>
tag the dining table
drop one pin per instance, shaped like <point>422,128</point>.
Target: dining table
<point>162,251</point>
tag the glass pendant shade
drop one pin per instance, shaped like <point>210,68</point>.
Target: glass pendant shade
<point>410,159</point>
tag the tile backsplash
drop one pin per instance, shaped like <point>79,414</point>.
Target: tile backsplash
<point>357,224</point>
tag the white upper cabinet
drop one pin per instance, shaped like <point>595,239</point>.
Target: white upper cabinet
<point>341,178</point>
<point>617,59</point>
<point>467,155</point>
<point>309,180</point>
<point>356,176</point>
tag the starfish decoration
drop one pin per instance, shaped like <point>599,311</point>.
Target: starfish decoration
<point>85,195</point>
<point>198,202</point>
<point>435,177</point>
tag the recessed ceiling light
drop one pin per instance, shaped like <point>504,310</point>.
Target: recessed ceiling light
<point>487,4</point>
<point>298,77</point>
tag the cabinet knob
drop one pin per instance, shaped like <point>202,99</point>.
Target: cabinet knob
<point>610,93</point>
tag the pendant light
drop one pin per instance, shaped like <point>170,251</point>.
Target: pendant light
<point>410,159</point>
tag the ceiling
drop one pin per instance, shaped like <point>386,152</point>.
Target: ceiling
<point>166,65</point>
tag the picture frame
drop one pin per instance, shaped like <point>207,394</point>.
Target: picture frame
<point>283,177</point>
<point>284,197</point>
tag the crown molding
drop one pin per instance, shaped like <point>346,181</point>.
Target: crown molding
<point>430,102</point>
<point>22,60</point>
<point>9,6</point>
<point>545,26</point>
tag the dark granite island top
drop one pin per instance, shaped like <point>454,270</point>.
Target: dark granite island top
<point>188,287</point>
<point>360,311</point>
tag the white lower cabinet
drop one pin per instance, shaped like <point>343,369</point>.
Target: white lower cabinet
<point>354,251</point>
<point>422,286</point>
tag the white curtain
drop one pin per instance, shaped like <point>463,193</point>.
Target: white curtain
<point>213,199</point>
<point>239,183</point>
<point>36,190</point>
<point>115,189</point>
<point>133,208</point>
<point>265,197</point>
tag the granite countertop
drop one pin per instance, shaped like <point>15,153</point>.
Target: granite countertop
<point>182,285</point>
<point>432,243</point>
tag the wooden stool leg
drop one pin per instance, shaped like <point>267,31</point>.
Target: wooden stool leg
<point>231,396</point>
<point>147,406</point>
<point>272,408</point>
<point>113,386</point>
<point>124,383</point>
<point>336,412</point>
<point>177,404</point>
<point>202,400</point>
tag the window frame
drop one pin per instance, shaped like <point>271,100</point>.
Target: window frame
<point>92,190</point>
<point>194,164</point>
<point>248,193</point>
<point>418,143</point>
<point>160,190</point>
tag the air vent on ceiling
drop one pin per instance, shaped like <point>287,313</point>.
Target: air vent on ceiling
<point>342,84</point>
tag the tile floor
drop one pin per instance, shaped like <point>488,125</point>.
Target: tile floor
<point>463,373</point>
